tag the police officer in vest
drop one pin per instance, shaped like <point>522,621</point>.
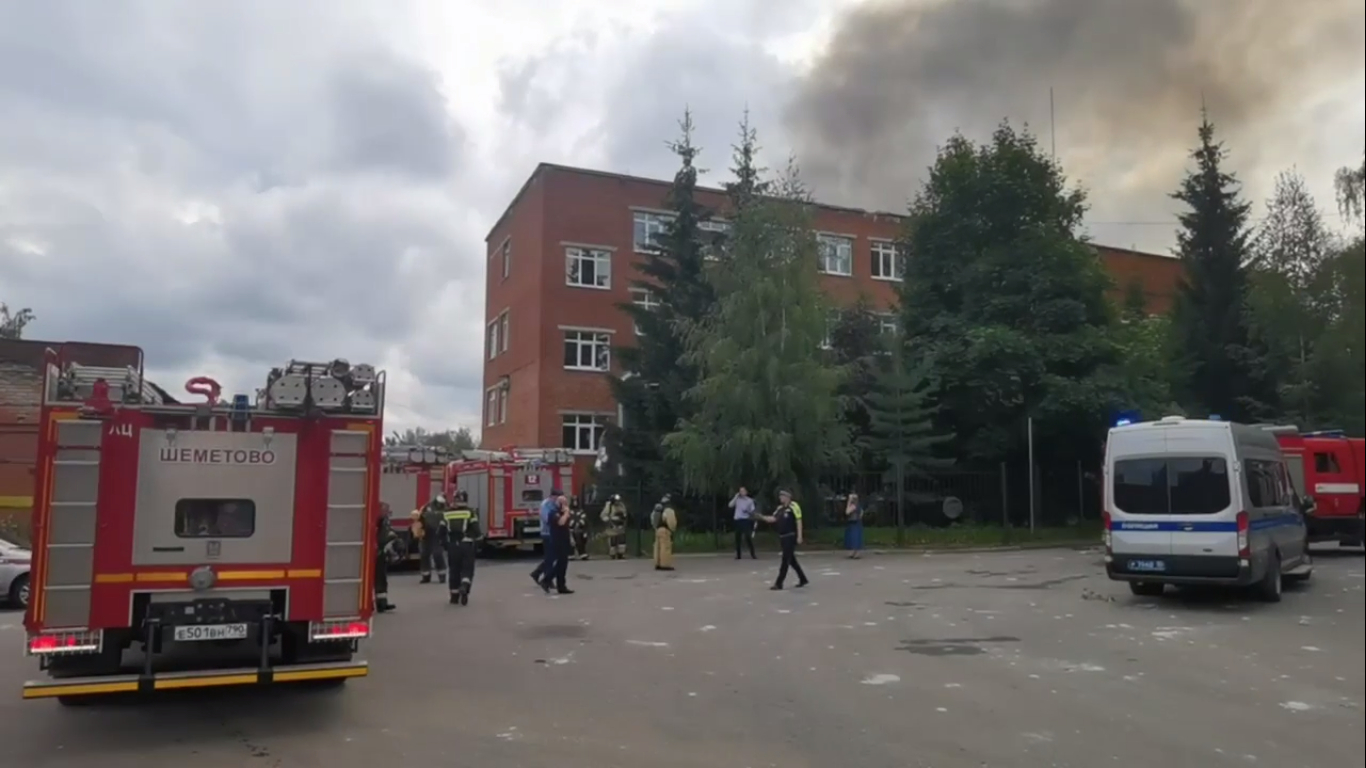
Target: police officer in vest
<point>432,547</point>
<point>462,535</point>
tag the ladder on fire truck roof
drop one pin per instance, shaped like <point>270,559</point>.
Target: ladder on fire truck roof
<point>520,455</point>
<point>126,385</point>
<point>415,454</point>
<point>1291,429</point>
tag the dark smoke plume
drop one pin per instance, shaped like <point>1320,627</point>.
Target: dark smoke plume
<point>1129,78</point>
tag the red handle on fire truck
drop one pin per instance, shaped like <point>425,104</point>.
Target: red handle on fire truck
<point>203,385</point>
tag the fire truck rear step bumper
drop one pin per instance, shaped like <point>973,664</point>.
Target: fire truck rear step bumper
<point>284,673</point>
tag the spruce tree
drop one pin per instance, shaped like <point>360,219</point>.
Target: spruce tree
<point>655,374</point>
<point>765,411</point>
<point>901,410</point>
<point>858,345</point>
<point>1218,369</point>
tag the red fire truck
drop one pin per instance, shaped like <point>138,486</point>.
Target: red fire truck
<point>1328,467</point>
<point>211,543</point>
<point>507,487</point>
<point>412,476</point>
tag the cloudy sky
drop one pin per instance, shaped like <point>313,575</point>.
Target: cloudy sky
<point>230,183</point>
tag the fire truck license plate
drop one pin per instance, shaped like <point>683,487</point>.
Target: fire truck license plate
<point>211,632</point>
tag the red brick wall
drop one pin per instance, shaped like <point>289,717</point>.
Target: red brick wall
<point>560,206</point>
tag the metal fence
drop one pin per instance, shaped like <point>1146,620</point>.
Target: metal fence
<point>1063,494</point>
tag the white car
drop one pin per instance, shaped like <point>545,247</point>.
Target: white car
<point>14,567</point>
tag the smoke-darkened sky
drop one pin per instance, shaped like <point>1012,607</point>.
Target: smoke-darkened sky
<point>1128,76</point>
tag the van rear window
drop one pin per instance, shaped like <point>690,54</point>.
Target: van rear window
<point>1171,486</point>
<point>215,518</point>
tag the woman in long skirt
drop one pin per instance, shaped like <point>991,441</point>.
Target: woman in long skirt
<point>853,527</point>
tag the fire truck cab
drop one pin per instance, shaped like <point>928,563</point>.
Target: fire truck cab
<point>507,487</point>
<point>412,476</point>
<point>1329,469</point>
<point>216,543</point>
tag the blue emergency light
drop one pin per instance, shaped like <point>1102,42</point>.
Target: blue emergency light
<point>1125,418</point>
<point>1215,417</point>
<point>1123,423</point>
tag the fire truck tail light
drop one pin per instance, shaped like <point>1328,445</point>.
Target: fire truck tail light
<point>56,643</point>
<point>340,629</point>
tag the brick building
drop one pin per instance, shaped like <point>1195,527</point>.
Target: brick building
<point>562,258</point>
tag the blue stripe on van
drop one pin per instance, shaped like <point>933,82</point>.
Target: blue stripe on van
<point>1219,526</point>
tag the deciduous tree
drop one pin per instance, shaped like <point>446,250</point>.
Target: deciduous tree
<point>12,324</point>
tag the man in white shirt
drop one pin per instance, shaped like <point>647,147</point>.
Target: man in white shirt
<point>744,522</point>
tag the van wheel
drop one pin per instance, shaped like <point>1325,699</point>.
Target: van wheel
<point>1270,587</point>
<point>1146,588</point>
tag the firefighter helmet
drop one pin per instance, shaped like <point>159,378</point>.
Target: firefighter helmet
<point>461,497</point>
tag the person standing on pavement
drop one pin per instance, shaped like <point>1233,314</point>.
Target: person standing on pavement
<point>853,527</point>
<point>385,539</point>
<point>614,515</point>
<point>744,522</point>
<point>665,522</point>
<point>560,541</point>
<point>787,519</point>
<point>432,548</point>
<point>549,509</point>
<point>578,529</point>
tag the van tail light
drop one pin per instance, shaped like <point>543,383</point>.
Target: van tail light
<point>1105,527</point>
<point>1244,550</point>
<point>64,643</point>
<point>341,629</point>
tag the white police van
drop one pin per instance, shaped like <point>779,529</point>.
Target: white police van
<point>1193,502</point>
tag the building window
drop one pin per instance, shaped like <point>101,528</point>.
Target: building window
<point>503,334</point>
<point>887,324</point>
<point>493,339</point>
<point>503,405</point>
<point>582,432</point>
<point>507,258</point>
<point>887,261</point>
<point>646,300</point>
<point>649,227</point>
<point>491,408</point>
<point>832,321</point>
<point>713,236</point>
<point>588,268</point>
<point>836,255</point>
<point>587,350</point>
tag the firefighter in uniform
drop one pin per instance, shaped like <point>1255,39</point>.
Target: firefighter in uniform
<point>462,533</point>
<point>578,530</point>
<point>614,515</point>
<point>385,538</point>
<point>665,522</point>
<point>432,548</point>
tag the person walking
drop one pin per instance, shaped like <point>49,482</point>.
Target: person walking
<point>787,519</point>
<point>665,522</point>
<point>560,541</point>
<point>744,522</point>
<point>853,527</point>
<point>462,531</point>
<point>546,570</point>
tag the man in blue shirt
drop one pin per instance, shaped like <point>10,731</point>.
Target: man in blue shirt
<point>550,509</point>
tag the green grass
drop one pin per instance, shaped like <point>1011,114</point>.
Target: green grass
<point>915,537</point>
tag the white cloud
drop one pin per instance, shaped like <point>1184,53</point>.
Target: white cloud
<point>229,183</point>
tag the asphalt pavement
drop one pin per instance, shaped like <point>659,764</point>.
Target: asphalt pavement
<point>1019,659</point>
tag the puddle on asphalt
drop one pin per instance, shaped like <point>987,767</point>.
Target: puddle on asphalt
<point>960,646</point>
